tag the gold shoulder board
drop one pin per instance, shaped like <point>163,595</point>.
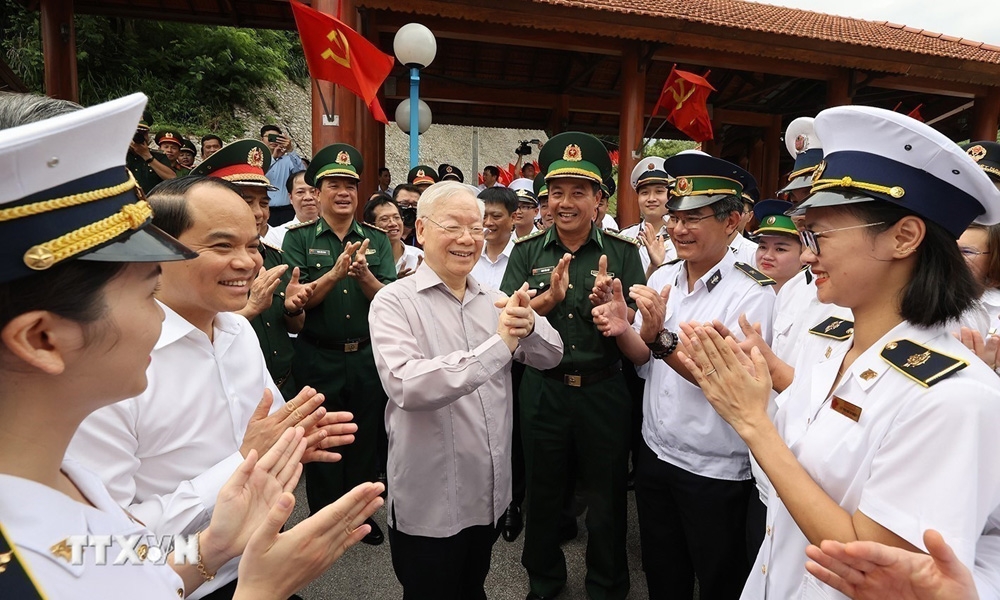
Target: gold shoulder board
<point>754,274</point>
<point>301,225</point>
<point>621,237</point>
<point>834,327</point>
<point>919,363</point>
<point>530,236</point>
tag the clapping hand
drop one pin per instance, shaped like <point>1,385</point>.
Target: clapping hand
<point>517,319</point>
<point>611,318</point>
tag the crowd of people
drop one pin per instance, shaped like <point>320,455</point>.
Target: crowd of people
<point>801,390</point>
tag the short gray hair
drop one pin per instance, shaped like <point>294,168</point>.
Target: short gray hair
<point>20,109</point>
<point>442,190</point>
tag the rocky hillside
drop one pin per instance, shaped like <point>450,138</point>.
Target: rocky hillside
<point>441,143</point>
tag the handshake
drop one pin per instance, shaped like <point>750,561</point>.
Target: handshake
<point>517,319</point>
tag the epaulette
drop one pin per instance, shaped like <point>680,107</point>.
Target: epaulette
<point>669,262</point>
<point>301,225</point>
<point>270,246</point>
<point>921,364</point>
<point>754,274</point>
<point>15,581</point>
<point>530,236</point>
<point>834,327</point>
<point>808,272</point>
<point>375,227</point>
<point>623,238</point>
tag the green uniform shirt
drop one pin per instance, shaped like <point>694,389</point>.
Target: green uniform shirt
<point>270,324</point>
<point>144,174</point>
<point>314,249</point>
<point>535,257</point>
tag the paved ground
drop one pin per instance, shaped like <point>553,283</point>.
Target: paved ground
<point>366,571</point>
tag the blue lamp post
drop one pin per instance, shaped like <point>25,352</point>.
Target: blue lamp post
<point>415,47</point>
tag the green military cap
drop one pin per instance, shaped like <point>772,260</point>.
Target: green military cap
<point>987,156</point>
<point>243,162</point>
<point>169,136</point>
<point>701,180</point>
<point>422,175</point>
<point>541,188</point>
<point>771,216</point>
<point>576,155</point>
<point>336,160</point>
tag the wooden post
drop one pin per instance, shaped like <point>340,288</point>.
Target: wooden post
<point>772,155</point>
<point>633,106</point>
<point>339,100</point>
<point>59,49</point>
<point>838,90</point>
<point>985,116</point>
<point>368,130</point>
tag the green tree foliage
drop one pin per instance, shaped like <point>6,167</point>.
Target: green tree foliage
<point>193,74</point>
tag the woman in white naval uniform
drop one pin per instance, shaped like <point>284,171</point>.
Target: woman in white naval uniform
<point>79,263</point>
<point>893,430</point>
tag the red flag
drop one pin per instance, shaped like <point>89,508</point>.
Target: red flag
<point>335,52</point>
<point>537,168</point>
<point>512,171</point>
<point>505,177</point>
<point>480,179</point>
<point>915,114</point>
<point>614,155</point>
<point>685,98</point>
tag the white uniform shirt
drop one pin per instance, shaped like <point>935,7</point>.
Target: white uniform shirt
<point>991,303</point>
<point>275,236</point>
<point>609,223</point>
<point>36,517</point>
<point>669,254</point>
<point>409,258</point>
<point>745,250</point>
<point>488,273</point>
<point>918,458</point>
<point>164,455</point>
<point>678,423</point>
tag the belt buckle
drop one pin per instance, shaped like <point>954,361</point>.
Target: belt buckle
<point>351,347</point>
<point>573,380</point>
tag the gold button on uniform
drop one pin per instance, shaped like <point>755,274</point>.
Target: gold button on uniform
<point>347,316</point>
<point>180,593</point>
<point>317,265</point>
<point>763,569</point>
<point>571,286</point>
<point>142,551</point>
<point>569,316</point>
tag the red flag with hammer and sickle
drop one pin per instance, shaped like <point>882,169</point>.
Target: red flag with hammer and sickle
<point>685,98</point>
<point>335,52</point>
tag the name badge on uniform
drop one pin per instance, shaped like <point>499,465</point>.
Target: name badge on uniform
<point>543,270</point>
<point>596,273</point>
<point>319,251</point>
<point>371,251</point>
<point>851,411</point>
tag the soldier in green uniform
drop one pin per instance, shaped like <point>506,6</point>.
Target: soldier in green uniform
<point>170,143</point>
<point>277,298</point>
<point>579,411</point>
<point>349,262</point>
<point>149,167</point>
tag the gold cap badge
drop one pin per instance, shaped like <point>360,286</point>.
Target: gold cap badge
<point>255,158</point>
<point>343,158</point>
<point>977,152</point>
<point>572,153</point>
<point>818,173</point>
<point>682,185</point>
<point>770,221</point>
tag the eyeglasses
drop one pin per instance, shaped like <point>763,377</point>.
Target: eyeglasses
<point>687,222</point>
<point>967,251</point>
<point>388,219</point>
<point>810,238</point>
<point>457,231</point>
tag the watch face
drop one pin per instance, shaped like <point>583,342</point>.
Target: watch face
<point>665,338</point>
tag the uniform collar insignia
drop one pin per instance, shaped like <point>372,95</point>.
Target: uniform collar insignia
<point>714,280</point>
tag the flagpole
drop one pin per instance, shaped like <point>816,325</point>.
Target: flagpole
<point>322,99</point>
<point>414,116</point>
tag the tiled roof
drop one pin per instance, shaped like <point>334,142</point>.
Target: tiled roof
<point>766,18</point>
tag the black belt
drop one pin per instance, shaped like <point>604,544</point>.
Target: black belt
<point>344,346</point>
<point>577,379</point>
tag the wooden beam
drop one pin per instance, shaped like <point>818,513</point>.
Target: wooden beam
<point>436,90</point>
<point>59,49</point>
<point>725,116</point>
<point>838,90</point>
<point>985,116</point>
<point>923,85</point>
<point>633,79</point>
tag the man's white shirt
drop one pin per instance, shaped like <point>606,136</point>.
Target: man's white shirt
<point>489,273</point>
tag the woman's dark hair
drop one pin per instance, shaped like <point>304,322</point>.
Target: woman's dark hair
<point>505,197</point>
<point>375,202</point>
<point>942,286</point>
<point>73,290</point>
<point>169,201</point>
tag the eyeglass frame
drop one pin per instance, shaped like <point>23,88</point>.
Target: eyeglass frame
<point>810,240</point>
<point>473,233</point>
<point>690,223</point>
<point>969,252</point>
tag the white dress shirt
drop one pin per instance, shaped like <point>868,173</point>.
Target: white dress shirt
<point>36,517</point>
<point>275,236</point>
<point>449,417</point>
<point>744,249</point>
<point>918,458</point>
<point>409,258</point>
<point>669,252</point>
<point>991,304</point>
<point>489,273</point>
<point>164,455</point>
<point>678,423</point>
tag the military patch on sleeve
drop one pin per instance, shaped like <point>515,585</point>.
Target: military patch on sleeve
<point>921,364</point>
<point>621,237</point>
<point>301,225</point>
<point>530,236</point>
<point>834,327</point>
<point>754,274</point>
<point>15,581</point>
